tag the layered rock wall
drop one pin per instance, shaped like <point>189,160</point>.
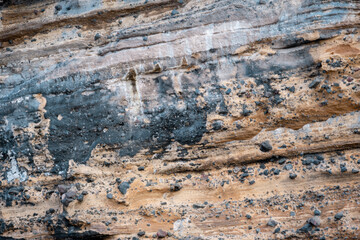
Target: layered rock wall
<point>180,119</point>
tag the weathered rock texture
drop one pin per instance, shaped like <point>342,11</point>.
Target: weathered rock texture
<point>232,119</point>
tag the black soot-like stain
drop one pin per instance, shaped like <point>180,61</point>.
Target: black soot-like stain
<point>84,118</point>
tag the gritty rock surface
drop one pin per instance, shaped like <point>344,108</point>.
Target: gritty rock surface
<point>179,119</point>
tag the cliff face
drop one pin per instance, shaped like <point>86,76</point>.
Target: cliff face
<point>180,119</point>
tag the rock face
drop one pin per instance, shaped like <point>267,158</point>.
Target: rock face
<point>127,119</point>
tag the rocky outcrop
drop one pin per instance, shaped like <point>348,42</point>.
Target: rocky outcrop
<point>179,119</point>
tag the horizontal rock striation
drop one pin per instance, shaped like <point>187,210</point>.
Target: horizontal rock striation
<point>179,119</point>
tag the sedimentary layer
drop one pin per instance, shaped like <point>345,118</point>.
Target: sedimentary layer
<point>179,119</point>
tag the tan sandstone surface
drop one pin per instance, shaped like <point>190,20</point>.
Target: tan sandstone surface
<point>188,119</point>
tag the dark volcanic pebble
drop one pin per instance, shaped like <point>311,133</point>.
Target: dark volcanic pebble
<point>175,187</point>
<point>80,198</point>
<point>123,187</point>
<point>288,166</point>
<point>276,171</point>
<point>339,216</point>
<point>317,212</point>
<point>197,205</point>
<point>97,36</point>
<point>58,7</point>
<point>292,175</point>
<point>217,125</point>
<point>306,228</point>
<point>141,233</point>
<point>314,83</point>
<point>174,12</point>
<point>282,161</point>
<point>265,146</point>
<point>271,223</point>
